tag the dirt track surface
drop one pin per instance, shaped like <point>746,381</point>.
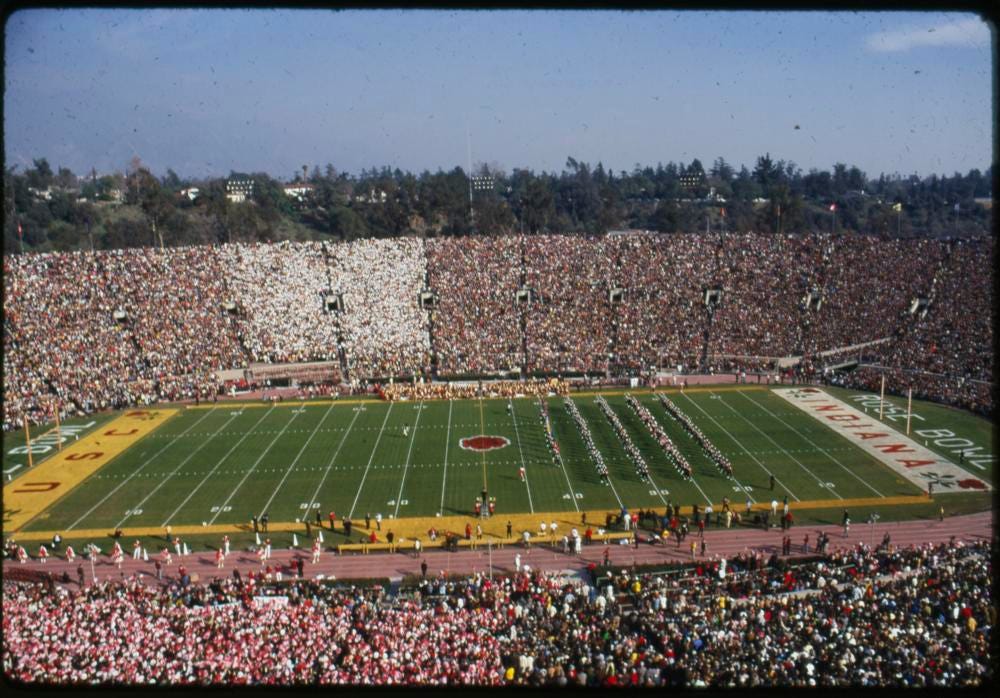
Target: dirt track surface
<point>720,543</point>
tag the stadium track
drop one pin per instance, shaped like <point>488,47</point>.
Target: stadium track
<point>720,543</point>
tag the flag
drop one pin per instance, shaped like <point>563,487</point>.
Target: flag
<point>897,207</point>
<point>20,233</point>
<point>957,208</point>
<point>722,212</point>
<point>833,207</point>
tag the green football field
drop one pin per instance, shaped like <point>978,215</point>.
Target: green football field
<point>222,464</point>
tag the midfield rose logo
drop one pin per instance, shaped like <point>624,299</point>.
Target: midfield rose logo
<point>483,443</point>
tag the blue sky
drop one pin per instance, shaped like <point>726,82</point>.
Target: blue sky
<point>209,91</point>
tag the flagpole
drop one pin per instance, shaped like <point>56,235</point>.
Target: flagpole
<point>27,437</point>
<point>909,405</point>
<point>881,402</point>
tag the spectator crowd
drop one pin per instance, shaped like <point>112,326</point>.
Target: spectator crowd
<point>919,616</point>
<point>86,331</point>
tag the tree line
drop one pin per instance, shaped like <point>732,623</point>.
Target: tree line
<point>58,210</point>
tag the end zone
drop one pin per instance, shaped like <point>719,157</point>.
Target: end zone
<point>30,495</point>
<point>903,455</point>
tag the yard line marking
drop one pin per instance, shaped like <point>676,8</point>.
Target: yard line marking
<point>818,448</point>
<point>220,462</point>
<point>406,467</point>
<point>798,462</point>
<point>329,466</point>
<point>174,471</point>
<point>253,467</point>
<point>364,477</point>
<point>737,442</point>
<point>299,455</point>
<point>137,471</point>
<point>482,430</point>
<point>517,434</point>
<point>572,492</point>
<point>447,440</point>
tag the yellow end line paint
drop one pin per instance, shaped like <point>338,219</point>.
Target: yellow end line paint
<point>41,487</point>
<point>495,526</point>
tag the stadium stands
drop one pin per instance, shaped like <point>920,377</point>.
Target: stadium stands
<point>912,617</point>
<point>63,341</point>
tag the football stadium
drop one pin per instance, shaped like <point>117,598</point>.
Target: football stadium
<point>677,427</point>
<point>506,438</point>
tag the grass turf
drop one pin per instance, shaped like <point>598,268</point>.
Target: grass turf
<point>222,464</point>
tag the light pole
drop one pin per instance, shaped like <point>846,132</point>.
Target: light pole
<point>871,539</point>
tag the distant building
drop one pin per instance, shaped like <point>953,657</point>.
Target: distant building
<point>239,190</point>
<point>375,196</point>
<point>191,193</point>
<point>299,190</point>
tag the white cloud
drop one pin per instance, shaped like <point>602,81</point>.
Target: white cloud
<point>970,33</point>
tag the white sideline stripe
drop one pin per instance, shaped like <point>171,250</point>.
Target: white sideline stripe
<point>220,462</point>
<point>524,465</point>
<point>295,415</point>
<point>818,448</point>
<point>562,464</point>
<point>381,431</point>
<point>409,452</point>
<point>592,462</point>
<point>745,450</point>
<point>174,471</point>
<point>797,461</point>
<point>138,470</point>
<point>329,465</point>
<point>447,440</point>
<point>298,455</point>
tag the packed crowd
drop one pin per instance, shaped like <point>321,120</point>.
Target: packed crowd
<point>630,448</point>
<point>385,329</point>
<point>566,325</point>
<point>913,617</point>
<point>476,322</point>
<point>588,439</point>
<point>673,453</point>
<point>763,279</point>
<point>280,291</point>
<point>691,428</point>
<point>86,331</point>
<point>661,318</point>
<point>931,354</point>
<point>867,287</point>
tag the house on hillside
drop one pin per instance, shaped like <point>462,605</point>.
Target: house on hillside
<point>299,191</point>
<point>239,190</point>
